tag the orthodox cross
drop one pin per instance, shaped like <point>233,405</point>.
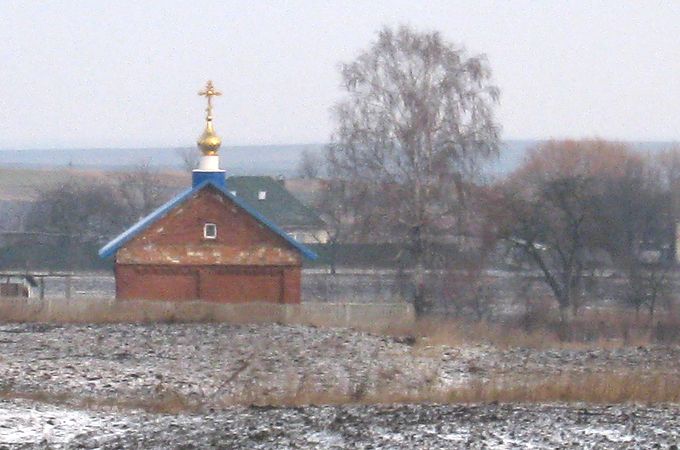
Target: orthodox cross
<point>209,92</point>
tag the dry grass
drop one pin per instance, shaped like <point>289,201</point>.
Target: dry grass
<point>606,388</point>
<point>459,333</point>
<point>98,310</point>
<point>595,388</point>
<point>166,402</point>
<point>603,328</point>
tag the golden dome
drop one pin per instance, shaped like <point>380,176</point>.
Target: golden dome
<point>209,142</point>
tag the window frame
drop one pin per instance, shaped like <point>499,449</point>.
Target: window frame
<point>206,226</point>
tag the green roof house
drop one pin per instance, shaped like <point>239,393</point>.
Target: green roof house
<point>271,199</point>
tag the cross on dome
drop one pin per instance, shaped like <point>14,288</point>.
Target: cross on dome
<point>209,92</point>
<point>209,142</point>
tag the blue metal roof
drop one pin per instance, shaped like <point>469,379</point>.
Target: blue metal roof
<point>112,247</point>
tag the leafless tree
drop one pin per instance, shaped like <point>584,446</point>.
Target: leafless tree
<point>548,213</point>
<point>78,218</point>
<point>141,190</point>
<point>416,122</point>
<point>189,158</point>
<point>549,225</point>
<point>338,215</point>
<point>667,167</point>
<point>310,165</point>
<point>577,207</point>
<point>466,287</point>
<point>634,213</point>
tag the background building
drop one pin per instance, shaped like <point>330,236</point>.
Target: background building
<point>271,199</point>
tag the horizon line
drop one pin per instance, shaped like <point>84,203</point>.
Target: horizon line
<point>169,147</point>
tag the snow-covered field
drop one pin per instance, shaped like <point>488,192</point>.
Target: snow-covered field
<point>33,425</point>
<point>185,385</point>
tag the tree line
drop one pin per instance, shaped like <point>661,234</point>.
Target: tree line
<point>579,211</point>
<point>405,165</point>
<point>588,218</point>
<point>65,226</point>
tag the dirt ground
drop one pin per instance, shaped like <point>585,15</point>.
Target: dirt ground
<point>199,386</point>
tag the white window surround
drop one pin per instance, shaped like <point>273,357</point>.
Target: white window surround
<point>210,231</point>
<point>262,195</point>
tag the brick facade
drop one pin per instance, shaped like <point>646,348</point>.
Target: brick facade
<point>171,259</point>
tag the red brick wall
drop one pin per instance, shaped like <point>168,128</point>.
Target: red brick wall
<point>224,284</point>
<point>178,239</point>
<point>291,285</point>
<point>143,282</point>
<point>172,261</point>
<point>241,284</point>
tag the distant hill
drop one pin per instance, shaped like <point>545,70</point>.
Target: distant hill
<point>20,184</point>
<point>237,160</point>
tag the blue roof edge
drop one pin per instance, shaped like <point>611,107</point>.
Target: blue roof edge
<point>114,245</point>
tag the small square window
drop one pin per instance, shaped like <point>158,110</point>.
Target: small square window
<point>210,231</point>
<point>262,195</point>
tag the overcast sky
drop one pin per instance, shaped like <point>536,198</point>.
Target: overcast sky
<point>126,73</point>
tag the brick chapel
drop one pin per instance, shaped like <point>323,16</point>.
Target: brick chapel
<point>207,243</point>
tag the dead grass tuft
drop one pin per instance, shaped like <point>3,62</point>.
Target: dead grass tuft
<point>166,402</point>
<point>604,388</point>
<point>608,388</point>
<point>607,329</point>
<point>538,328</point>
<point>576,387</point>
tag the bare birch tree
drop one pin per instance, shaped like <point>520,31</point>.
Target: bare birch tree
<point>337,214</point>
<point>416,122</point>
